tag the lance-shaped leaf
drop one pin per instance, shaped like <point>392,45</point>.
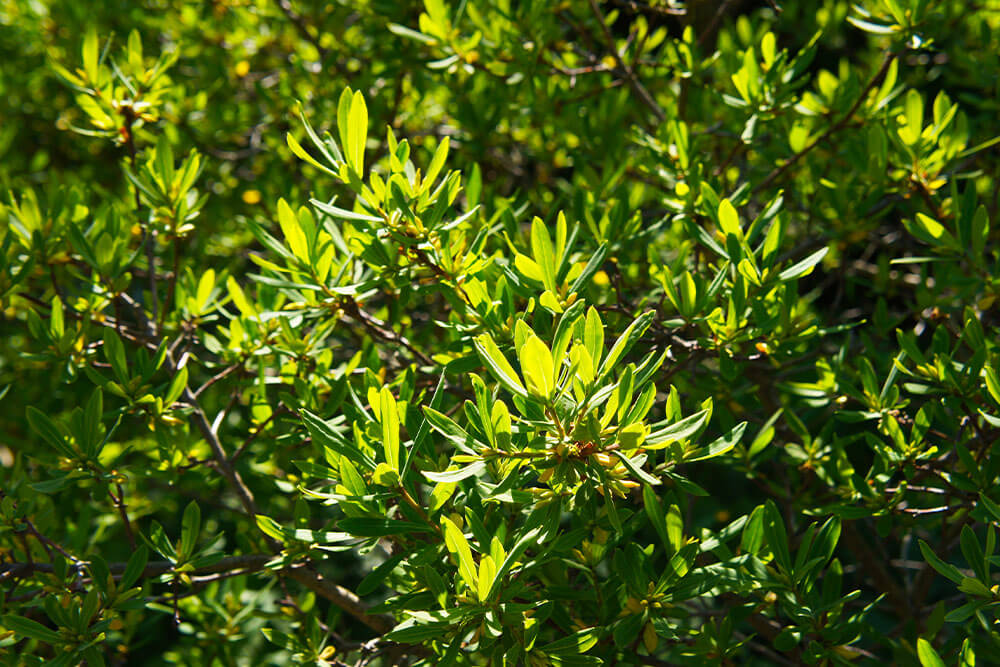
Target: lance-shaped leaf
<point>25,627</point>
<point>498,365</point>
<point>626,341</point>
<point>459,546</point>
<point>390,428</point>
<point>677,431</point>
<point>357,132</point>
<point>450,476</point>
<point>719,446</point>
<point>487,573</point>
<point>295,237</point>
<point>537,367</point>
<point>541,248</point>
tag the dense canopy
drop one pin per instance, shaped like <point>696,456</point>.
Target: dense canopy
<point>499,333</point>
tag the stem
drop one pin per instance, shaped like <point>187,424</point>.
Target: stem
<point>633,81</point>
<point>149,234</point>
<point>122,508</point>
<point>833,129</point>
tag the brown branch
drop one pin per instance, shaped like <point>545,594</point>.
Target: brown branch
<point>301,26</point>
<point>874,566</point>
<point>833,129</point>
<point>234,566</point>
<point>342,597</point>
<point>153,569</point>
<point>379,329</point>
<point>633,80</point>
<point>119,502</point>
<point>710,28</point>
<point>150,233</point>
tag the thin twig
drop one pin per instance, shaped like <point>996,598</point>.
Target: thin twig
<point>833,129</point>
<point>633,80</point>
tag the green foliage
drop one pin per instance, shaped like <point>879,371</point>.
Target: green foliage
<point>499,333</point>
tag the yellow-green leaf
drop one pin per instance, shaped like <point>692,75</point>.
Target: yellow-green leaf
<point>390,428</point>
<point>499,366</point>
<point>459,546</point>
<point>729,219</point>
<point>290,227</point>
<point>357,132</point>
<point>487,572</point>
<point>537,367</point>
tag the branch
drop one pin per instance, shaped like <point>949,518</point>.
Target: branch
<point>379,329</point>
<point>633,81</point>
<point>342,597</point>
<point>251,562</point>
<point>833,129</point>
<point>234,566</point>
<point>300,25</point>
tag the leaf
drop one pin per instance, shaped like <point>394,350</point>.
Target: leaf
<point>626,341</point>
<point>654,511</point>
<point>357,133</point>
<point>913,108</point>
<point>369,527</point>
<point>114,352</point>
<point>56,322</point>
<point>541,250</point>
<point>752,538</point>
<point>295,237</point>
<point>636,471</point>
<point>675,528</point>
<point>450,476</point>
<point>437,162</point>
<point>574,644</point>
<point>417,634</point>
<point>158,540</point>
<point>91,55</point>
<point>498,365</point>
<point>776,537</point>
<point>177,386</point>
<point>529,538</point>
<point>271,528</point>
<point>991,507</point>
<point>304,155</point>
<point>341,213</point>
<point>537,367</point>
<point>593,336</point>
<point>204,290</point>
<point>972,550</point>
<point>992,382</point>
<point>719,446</point>
<point>459,546</point>
<point>25,627</point>
<point>390,428</point>
<point>375,578</point>
<point>45,427</point>
<point>324,435</point>
<point>928,656</point>
<point>932,232</point>
<point>942,568</point>
<point>134,568</point>
<point>804,267</point>
<point>729,219</point>
<point>447,427</point>
<point>592,267</point>
<point>678,431</point>
<point>487,573</point>
<point>190,527</point>
<point>279,638</point>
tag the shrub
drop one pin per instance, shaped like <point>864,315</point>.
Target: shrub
<point>639,333</point>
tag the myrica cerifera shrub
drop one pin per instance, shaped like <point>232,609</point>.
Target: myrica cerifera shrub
<point>498,333</point>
